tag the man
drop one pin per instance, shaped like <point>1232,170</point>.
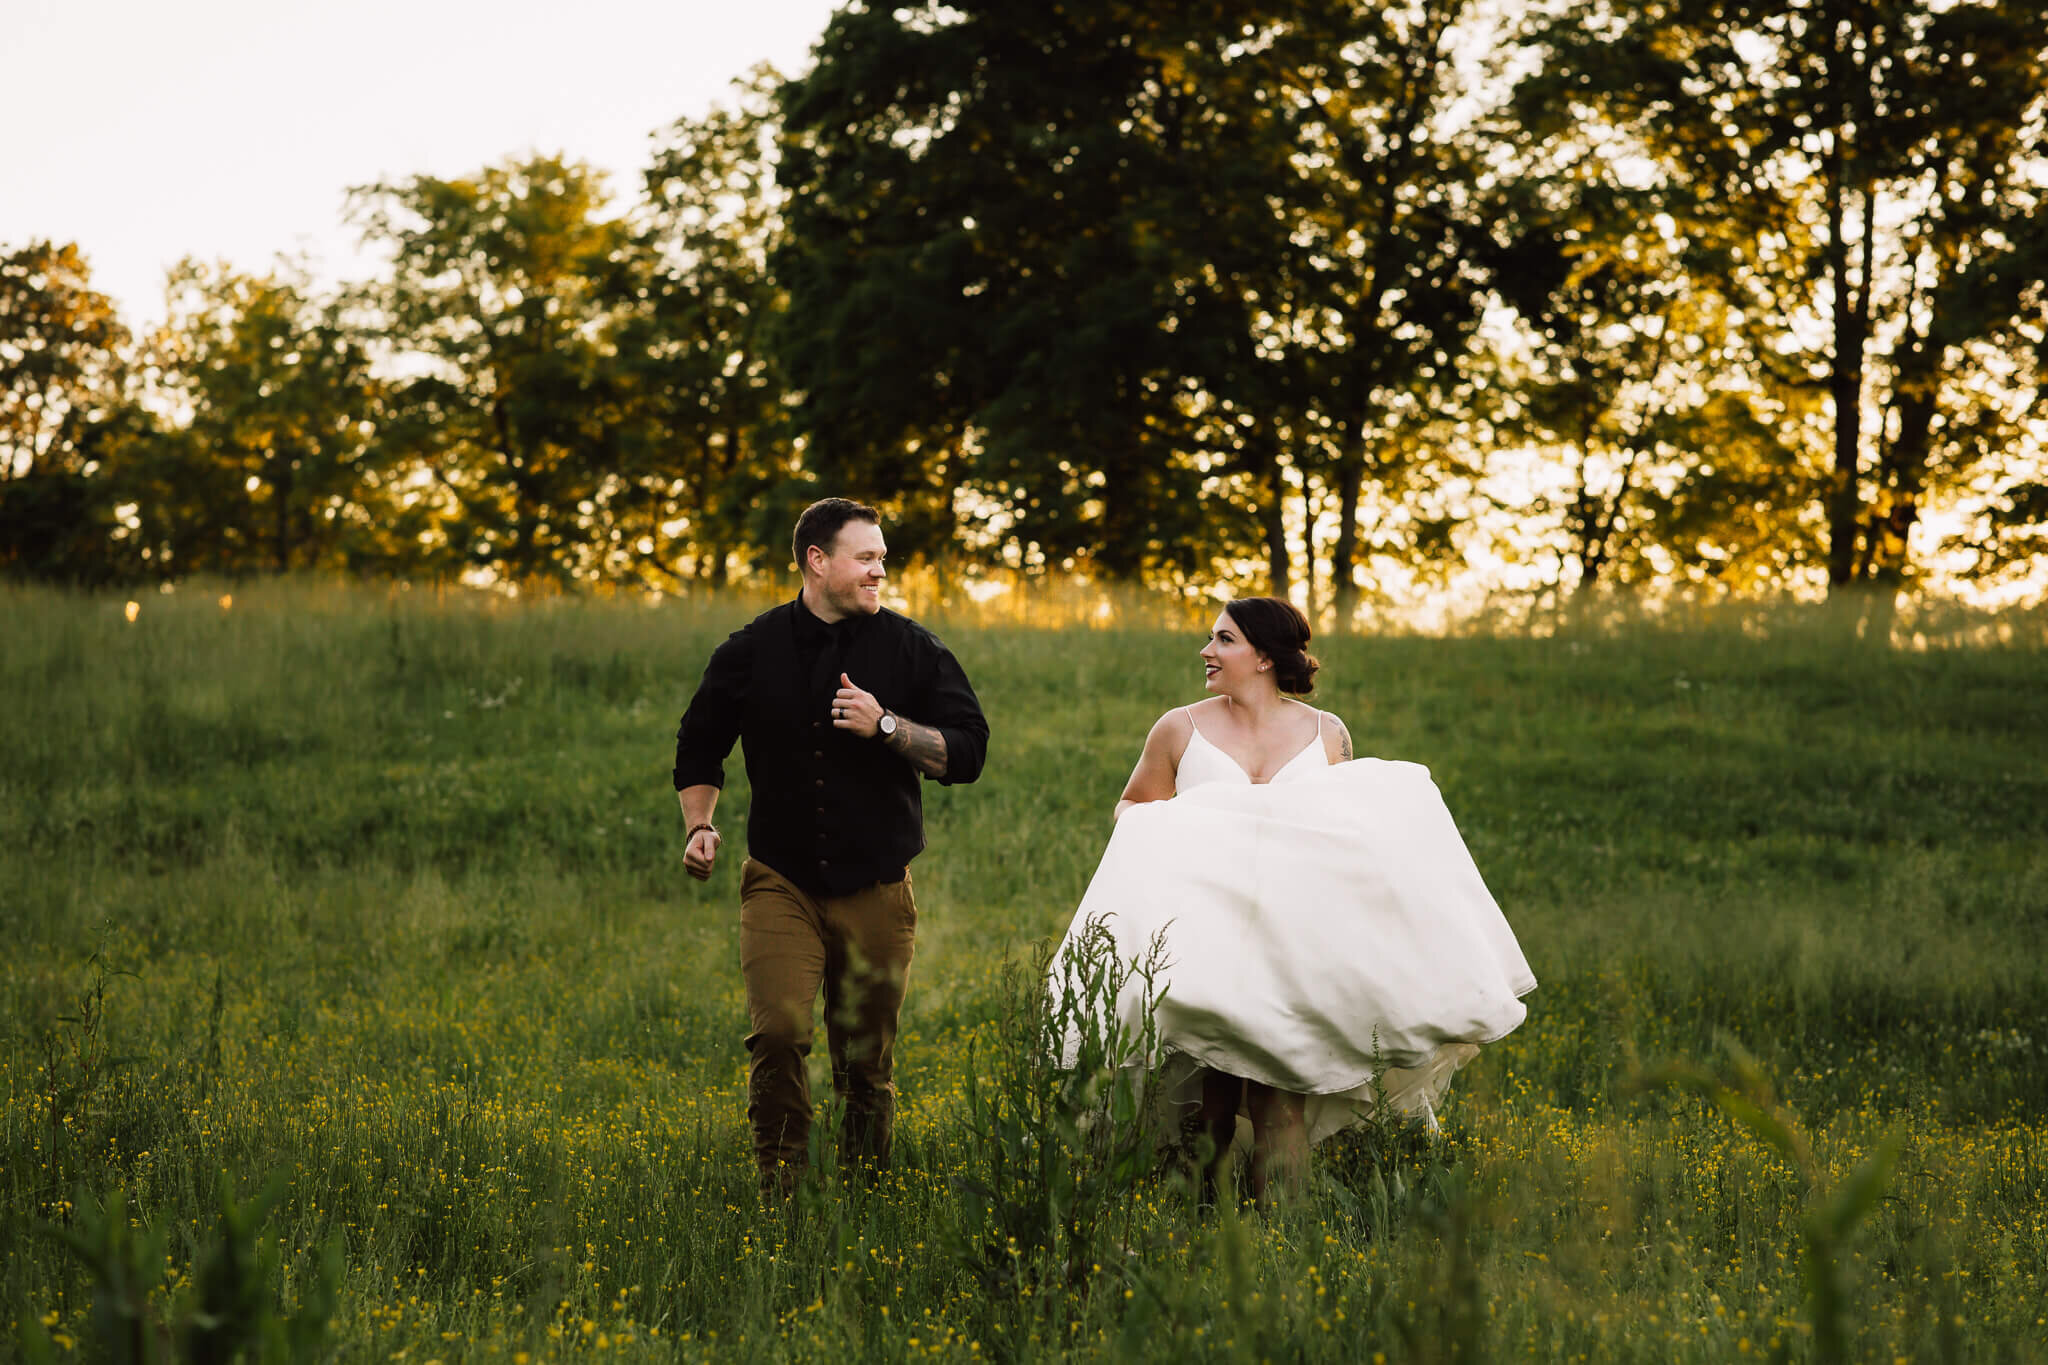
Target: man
<point>840,708</point>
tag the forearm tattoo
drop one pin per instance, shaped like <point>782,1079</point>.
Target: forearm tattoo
<point>922,745</point>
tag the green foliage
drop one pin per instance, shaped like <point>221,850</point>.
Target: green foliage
<point>1333,299</point>
<point>283,408</point>
<point>62,369</point>
<point>59,528</point>
<point>1387,1171</point>
<point>229,1310</point>
<point>1833,1215</point>
<point>125,1263</point>
<point>78,1063</point>
<point>704,394</point>
<point>1068,270</point>
<point>1859,182</point>
<point>60,359</point>
<point>1635,374</point>
<point>398,871</point>
<point>988,296</point>
<point>1059,1117</point>
<point>503,289</point>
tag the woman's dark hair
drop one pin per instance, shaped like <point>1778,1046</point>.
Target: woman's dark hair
<point>822,521</point>
<point>1276,628</point>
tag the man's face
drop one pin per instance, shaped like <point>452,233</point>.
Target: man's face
<point>849,574</point>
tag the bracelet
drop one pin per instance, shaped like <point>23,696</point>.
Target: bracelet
<point>695,828</point>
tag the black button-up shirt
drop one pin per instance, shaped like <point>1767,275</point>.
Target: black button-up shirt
<point>832,811</point>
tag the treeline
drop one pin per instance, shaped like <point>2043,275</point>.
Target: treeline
<point>1309,294</point>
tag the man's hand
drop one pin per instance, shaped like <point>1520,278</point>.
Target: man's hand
<point>922,746</point>
<point>855,710</point>
<point>700,846</point>
<point>700,854</point>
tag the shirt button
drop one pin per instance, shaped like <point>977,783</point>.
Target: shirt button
<point>818,782</point>
<point>817,753</point>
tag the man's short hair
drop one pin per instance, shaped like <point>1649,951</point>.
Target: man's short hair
<point>821,523</point>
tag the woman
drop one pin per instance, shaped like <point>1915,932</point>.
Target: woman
<point>1329,943</point>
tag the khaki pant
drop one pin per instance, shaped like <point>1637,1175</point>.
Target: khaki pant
<point>858,948</point>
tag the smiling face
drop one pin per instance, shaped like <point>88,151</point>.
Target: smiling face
<point>1228,661</point>
<point>847,578</point>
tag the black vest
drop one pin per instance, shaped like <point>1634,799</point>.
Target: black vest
<point>832,811</point>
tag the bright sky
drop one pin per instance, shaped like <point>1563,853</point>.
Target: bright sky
<point>232,129</point>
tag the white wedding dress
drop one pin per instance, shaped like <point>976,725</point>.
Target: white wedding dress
<point>1316,926</point>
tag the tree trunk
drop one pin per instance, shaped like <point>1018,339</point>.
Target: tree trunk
<point>1903,468</point>
<point>1344,554</point>
<point>515,554</point>
<point>1851,316</point>
<point>281,489</point>
<point>1311,513</point>
<point>1845,388</point>
<point>721,540</point>
<point>1127,522</point>
<point>1588,543</point>
<point>1279,560</point>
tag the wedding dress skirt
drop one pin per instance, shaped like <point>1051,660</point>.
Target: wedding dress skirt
<point>1325,933</point>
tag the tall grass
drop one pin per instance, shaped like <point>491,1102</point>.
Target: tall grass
<point>397,877</point>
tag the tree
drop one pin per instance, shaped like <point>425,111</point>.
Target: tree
<point>60,357</point>
<point>1398,223</point>
<point>1628,371</point>
<point>1872,170</point>
<point>703,394</point>
<point>1128,280</point>
<point>63,367</point>
<point>501,310</point>
<point>283,403</point>
<point>1005,292</point>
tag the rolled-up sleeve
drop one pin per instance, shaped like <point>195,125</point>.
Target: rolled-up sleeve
<point>950,707</point>
<point>711,725</point>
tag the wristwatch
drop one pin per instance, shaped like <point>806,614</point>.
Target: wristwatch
<point>886,726</point>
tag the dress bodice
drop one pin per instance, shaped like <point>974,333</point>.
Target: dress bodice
<point>1202,761</point>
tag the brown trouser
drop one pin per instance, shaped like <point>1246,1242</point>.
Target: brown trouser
<point>858,947</point>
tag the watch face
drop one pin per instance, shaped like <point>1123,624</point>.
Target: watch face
<point>888,725</point>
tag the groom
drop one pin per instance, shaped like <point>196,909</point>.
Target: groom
<point>840,707</point>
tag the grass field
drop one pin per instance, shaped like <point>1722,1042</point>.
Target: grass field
<point>387,898</point>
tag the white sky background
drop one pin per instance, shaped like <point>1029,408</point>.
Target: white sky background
<point>233,129</point>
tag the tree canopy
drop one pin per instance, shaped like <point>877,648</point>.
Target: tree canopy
<point>1309,296</point>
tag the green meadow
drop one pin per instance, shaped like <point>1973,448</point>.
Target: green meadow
<point>355,1005</point>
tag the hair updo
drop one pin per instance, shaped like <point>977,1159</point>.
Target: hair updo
<point>1276,628</point>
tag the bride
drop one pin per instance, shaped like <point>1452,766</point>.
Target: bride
<point>1330,945</point>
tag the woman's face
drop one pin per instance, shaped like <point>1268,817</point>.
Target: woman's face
<point>1228,661</point>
